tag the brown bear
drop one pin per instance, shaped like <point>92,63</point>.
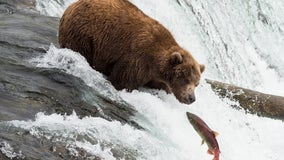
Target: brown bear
<point>129,47</point>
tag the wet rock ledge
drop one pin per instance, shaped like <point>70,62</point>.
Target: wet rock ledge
<point>265,105</point>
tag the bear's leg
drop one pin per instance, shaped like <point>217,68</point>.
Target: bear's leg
<point>158,85</point>
<point>128,75</point>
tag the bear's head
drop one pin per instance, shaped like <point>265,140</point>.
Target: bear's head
<point>184,75</point>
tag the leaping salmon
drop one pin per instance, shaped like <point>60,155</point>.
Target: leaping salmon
<point>208,136</point>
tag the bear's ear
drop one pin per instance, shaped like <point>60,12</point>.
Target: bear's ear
<point>202,68</point>
<point>176,58</point>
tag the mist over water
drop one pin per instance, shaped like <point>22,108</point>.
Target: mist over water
<point>240,42</point>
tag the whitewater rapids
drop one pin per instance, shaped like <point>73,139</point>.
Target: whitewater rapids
<point>239,42</point>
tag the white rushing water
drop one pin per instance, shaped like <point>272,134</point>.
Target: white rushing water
<point>240,42</point>
<point>7,150</point>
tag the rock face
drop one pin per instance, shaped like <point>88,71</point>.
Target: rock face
<point>26,90</point>
<point>252,101</point>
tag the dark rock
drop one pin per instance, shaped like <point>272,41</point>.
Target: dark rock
<point>254,102</point>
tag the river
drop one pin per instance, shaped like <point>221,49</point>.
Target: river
<point>240,42</point>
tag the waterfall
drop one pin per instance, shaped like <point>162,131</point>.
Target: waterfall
<point>240,42</point>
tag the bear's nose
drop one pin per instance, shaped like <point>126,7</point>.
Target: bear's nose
<point>191,98</point>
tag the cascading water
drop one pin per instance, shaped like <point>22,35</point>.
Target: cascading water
<point>240,42</point>
<point>244,40</point>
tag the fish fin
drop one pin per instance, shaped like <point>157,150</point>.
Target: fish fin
<point>202,142</point>
<point>216,158</point>
<point>210,152</point>
<point>215,133</point>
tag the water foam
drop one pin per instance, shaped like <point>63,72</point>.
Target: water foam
<point>54,8</point>
<point>241,135</point>
<point>9,151</point>
<point>168,133</point>
<point>96,136</point>
<point>75,64</point>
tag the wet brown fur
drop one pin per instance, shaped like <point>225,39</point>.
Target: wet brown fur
<point>129,47</point>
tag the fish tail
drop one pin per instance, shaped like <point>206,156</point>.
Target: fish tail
<point>216,157</point>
